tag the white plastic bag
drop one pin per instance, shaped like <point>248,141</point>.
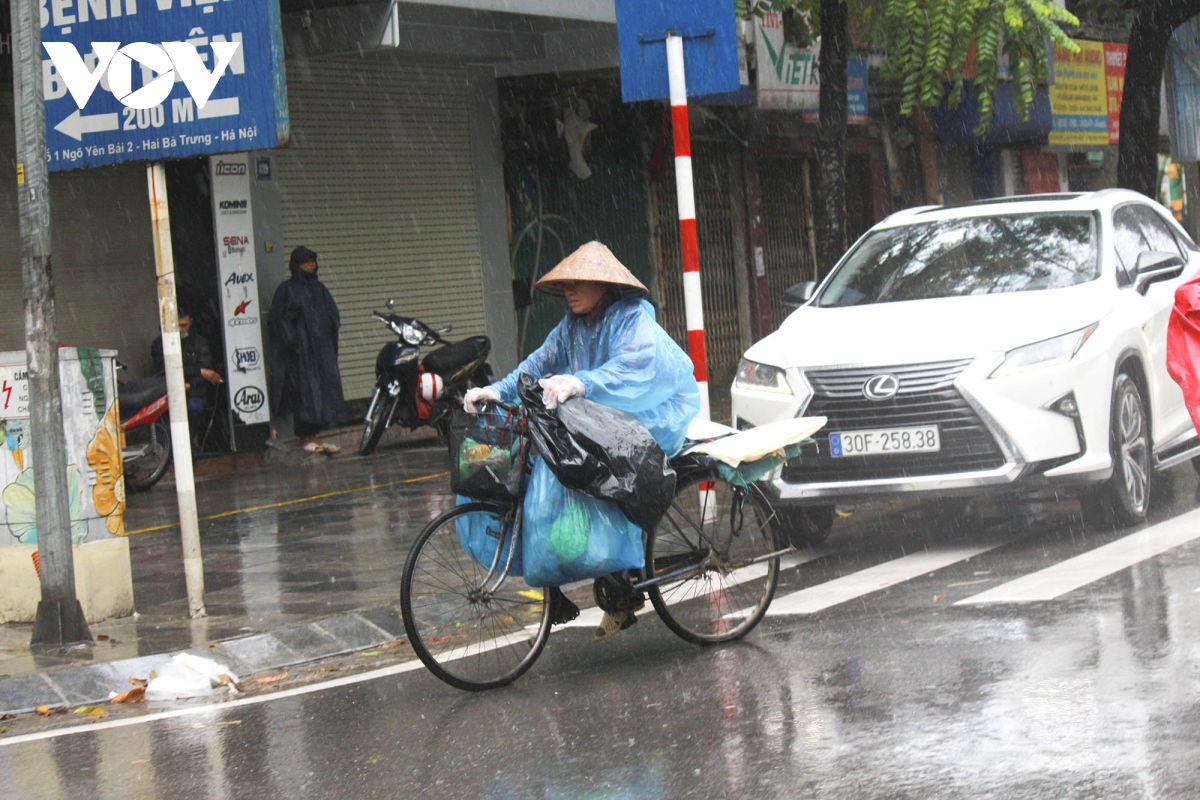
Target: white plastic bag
<point>186,675</point>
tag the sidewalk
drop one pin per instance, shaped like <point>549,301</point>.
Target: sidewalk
<point>302,561</point>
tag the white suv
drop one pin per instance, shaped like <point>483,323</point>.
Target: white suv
<point>1002,344</point>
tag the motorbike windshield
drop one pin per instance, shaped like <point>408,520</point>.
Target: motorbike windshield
<point>967,256</point>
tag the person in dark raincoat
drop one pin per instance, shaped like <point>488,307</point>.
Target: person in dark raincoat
<point>304,324</point>
<point>610,349</point>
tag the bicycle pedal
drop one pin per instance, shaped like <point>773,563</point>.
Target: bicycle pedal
<point>611,624</point>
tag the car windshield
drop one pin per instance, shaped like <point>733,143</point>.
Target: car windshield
<point>973,255</point>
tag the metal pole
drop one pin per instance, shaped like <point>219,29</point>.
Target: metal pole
<point>689,244</point>
<point>181,442</point>
<point>60,617</point>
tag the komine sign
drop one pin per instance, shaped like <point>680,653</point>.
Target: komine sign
<point>145,80</point>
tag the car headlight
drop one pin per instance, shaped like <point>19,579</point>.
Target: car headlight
<point>1046,353</point>
<point>761,378</point>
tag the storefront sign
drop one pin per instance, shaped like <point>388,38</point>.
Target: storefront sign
<point>788,80</point>
<point>1085,98</point>
<point>234,224</point>
<point>149,81</point>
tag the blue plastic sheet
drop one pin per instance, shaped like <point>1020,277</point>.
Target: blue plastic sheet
<point>626,361</point>
<point>569,536</point>
<point>479,535</point>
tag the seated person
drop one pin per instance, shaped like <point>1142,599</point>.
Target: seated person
<point>198,372</point>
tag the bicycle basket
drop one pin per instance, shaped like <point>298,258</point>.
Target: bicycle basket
<point>485,455</point>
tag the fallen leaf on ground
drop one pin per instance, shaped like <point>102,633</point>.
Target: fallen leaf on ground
<point>328,669</point>
<point>397,643</point>
<point>532,594</point>
<point>103,637</point>
<point>134,695</point>
<point>46,711</point>
<point>271,678</point>
<point>90,711</point>
<point>371,653</point>
<point>138,682</point>
<point>228,681</point>
<point>7,716</point>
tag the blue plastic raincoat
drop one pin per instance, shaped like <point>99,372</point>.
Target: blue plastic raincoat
<point>627,361</point>
<point>624,360</point>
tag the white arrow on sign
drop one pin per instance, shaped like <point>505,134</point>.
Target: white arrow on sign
<point>76,125</point>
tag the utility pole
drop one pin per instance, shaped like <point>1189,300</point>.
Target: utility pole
<point>60,618</point>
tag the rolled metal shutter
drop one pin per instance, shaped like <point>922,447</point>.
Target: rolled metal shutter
<point>378,180</point>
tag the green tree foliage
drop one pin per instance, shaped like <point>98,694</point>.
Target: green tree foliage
<point>931,43</point>
<point>933,46</point>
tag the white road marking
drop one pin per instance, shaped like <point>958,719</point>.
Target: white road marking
<point>1067,576</point>
<point>881,576</point>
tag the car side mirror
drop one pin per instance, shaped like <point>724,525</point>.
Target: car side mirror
<point>798,294</point>
<point>1155,266</point>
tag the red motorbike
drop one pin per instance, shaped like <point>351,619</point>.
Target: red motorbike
<point>146,429</point>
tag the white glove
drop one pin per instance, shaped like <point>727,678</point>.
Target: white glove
<point>558,389</point>
<point>474,397</point>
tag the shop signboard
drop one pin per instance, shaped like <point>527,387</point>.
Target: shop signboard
<point>238,273</point>
<point>787,75</point>
<point>1085,98</point>
<point>158,79</point>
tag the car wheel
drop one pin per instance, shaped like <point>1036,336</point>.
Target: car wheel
<point>1123,499</point>
<point>804,526</point>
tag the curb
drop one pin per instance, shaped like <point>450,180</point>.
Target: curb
<point>86,684</point>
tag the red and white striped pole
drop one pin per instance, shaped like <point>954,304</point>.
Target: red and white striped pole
<point>688,242</point>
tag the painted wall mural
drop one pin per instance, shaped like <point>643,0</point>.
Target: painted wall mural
<point>91,424</point>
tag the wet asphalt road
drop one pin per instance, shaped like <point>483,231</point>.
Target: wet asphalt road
<point>896,693</point>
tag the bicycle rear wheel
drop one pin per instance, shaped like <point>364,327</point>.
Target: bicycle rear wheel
<point>469,635</point>
<point>718,544</point>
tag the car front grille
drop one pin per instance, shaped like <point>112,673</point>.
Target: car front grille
<point>926,397</point>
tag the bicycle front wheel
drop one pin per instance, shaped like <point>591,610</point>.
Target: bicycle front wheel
<point>718,551</point>
<point>470,633</point>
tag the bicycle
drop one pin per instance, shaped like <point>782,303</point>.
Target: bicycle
<point>711,569</point>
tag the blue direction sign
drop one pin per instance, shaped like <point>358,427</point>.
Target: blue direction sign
<point>134,80</point>
<point>710,50</point>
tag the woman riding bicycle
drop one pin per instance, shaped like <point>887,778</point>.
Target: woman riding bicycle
<point>610,349</point>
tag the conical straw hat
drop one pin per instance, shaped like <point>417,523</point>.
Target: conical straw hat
<point>591,262</point>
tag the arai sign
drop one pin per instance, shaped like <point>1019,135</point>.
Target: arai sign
<point>144,80</point>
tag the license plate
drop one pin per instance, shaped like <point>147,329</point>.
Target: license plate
<point>885,441</point>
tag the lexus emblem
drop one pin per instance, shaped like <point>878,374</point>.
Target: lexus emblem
<point>881,387</point>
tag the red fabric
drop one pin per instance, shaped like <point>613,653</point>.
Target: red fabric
<point>1183,345</point>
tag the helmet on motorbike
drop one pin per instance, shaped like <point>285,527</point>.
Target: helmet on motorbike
<point>430,386</point>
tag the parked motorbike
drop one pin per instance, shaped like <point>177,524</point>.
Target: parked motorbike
<point>412,391</point>
<point>147,431</point>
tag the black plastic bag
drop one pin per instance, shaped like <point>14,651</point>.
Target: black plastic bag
<point>602,452</point>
